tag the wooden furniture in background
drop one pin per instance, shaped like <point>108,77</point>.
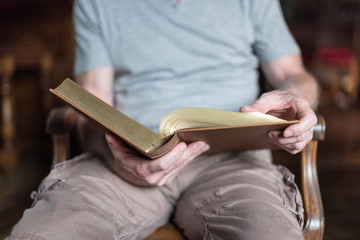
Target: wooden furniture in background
<point>16,59</point>
<point>62,120</point>
<point>37,36</point>
<point>328,33</point>
<point>337,69</point>
<point>8,153</point>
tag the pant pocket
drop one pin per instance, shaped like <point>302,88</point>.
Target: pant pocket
<point>291,195</point>
<point>57,175</point>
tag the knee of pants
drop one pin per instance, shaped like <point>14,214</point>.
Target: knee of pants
<point>218,218</point>
<point>81,199</point>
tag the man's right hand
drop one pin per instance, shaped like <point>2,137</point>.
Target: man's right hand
<point>138,170</point>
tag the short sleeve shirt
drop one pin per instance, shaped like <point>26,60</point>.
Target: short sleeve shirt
<point>169,54</point>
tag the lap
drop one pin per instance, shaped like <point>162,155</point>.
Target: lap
<point>224,195</point>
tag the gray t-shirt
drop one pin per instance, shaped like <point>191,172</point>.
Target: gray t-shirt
<point>170,54</point>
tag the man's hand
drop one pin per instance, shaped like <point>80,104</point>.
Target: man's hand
<point>286,105</point>
<point>136,169</point>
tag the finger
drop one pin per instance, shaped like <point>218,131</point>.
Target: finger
<point>153,171</point>
<point>116,143</point>
<point>112,138</point>
<point>162,177</point>
<point>307,120</point>
<point>248,109</point>
<point>165,162</point>
<point>189,153</point>
<point>278,137</point>
<point>171,175</point>
<point>265,103</point>
<point>294,147</point>
<point>193,150</point>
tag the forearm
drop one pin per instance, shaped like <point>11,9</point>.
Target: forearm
<point>288,73</point>
<point>100,82</point>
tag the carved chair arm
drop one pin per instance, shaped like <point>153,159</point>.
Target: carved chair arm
<point>314,212</point>
<point>60,122</point>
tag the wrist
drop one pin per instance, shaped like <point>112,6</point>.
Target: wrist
<point>303,86</point>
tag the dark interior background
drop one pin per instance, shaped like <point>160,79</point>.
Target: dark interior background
<point>37,36</point>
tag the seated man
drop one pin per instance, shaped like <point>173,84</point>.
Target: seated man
<point>148,58</point>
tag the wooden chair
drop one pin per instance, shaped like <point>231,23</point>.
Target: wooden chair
<point>62,120</point>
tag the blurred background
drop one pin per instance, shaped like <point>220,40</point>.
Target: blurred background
<point>36,53</point>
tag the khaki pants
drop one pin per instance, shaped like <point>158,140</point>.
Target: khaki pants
<point>223,196</point>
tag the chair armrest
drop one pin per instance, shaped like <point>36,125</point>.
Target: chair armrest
<point>319,129</point>
<point>60,122</point>
<point>315,221</point>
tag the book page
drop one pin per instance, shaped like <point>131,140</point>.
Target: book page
<point>195,117</point>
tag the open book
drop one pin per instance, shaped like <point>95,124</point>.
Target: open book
<point>224,131</point>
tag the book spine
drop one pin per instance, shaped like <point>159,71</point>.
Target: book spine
<point>165,148</point>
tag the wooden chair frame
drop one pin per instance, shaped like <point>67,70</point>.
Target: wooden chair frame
<point>62,120</point>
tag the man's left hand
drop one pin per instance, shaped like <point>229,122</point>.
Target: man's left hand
<point>286,105</point>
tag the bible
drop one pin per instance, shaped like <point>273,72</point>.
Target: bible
<point>224,131</point>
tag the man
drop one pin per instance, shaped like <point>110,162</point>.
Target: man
<point>148,58</point>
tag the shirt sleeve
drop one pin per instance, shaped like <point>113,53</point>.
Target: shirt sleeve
<point>90,48</point>
<point>272,36</point>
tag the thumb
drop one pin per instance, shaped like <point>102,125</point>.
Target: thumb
<point>248,108</point>
<point>114,141</point>
<point>264,104</point>
<point>257,106</point>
